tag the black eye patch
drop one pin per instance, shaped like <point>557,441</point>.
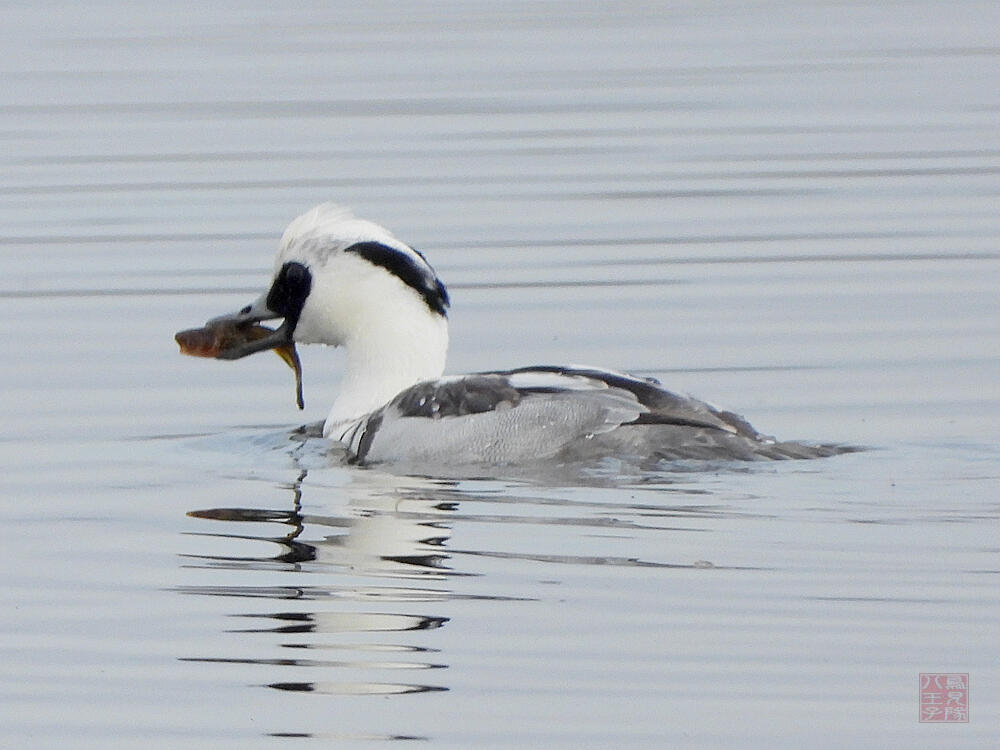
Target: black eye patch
<point>288,293</point>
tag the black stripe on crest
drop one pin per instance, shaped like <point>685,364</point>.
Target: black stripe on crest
<point>419,278</point>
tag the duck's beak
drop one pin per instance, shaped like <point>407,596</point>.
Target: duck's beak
<point>242,346</point>
<point>238,334</point>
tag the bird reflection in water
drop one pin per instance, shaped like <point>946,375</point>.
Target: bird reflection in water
<point>396,534</point>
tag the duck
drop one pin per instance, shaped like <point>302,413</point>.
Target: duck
<point>346,282</point>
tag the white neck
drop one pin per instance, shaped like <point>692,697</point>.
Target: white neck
<point>383,358</point>
<point>392,337</point>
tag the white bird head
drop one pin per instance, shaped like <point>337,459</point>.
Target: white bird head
<point>344,281</point>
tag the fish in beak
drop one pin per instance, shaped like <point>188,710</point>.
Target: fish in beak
<point>240,334</point>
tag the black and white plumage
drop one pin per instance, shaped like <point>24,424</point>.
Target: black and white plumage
<point>342,281</point>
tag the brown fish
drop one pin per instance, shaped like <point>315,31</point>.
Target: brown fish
<point>215,339</point>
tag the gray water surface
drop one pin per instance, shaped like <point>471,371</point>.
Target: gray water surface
<point>788,209</point>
